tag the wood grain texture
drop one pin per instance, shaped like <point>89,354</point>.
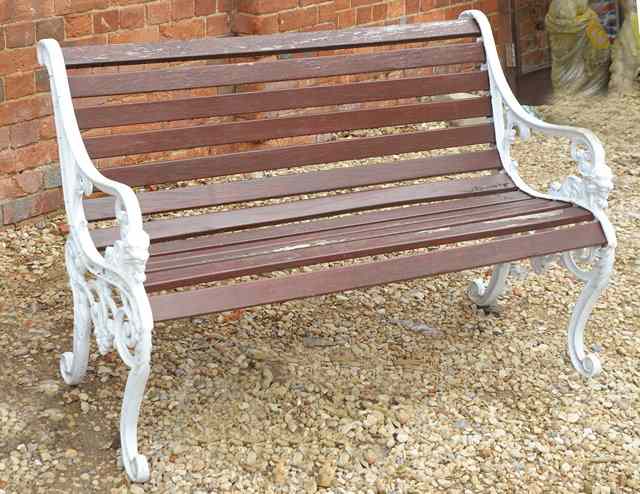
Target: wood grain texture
<point>212,48</point>
<point>370,219</point>
<point>301,155</point>
<point>167,229</point>
<point>395,240</point>
<point>439,227</point>
<point>283,99</point>
<point>298,183</point>
<point>267,71</point>
<point>275,128</point>
<point>218,299</point>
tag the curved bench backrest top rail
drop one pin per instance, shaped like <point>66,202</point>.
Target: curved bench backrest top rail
<point>212,48</point>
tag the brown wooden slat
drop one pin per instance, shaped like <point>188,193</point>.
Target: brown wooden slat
<point>274,128</point>
<point>92,56</point>
<point>177,248</point>
<point>298,183</point>
<point>249,240</point>
<point>218,299</point>
<point>257,72</point>
<point>285,157</point>
<point>396,240</point>
<point>262,101</point>
<point>206,261</point>
<point>313,208</point>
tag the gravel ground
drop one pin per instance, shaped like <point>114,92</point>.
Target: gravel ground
<point>406,388</point>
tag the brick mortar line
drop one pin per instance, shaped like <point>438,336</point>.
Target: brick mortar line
<point>317,5</point>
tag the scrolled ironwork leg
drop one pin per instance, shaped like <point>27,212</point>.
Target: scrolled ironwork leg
<point>114,302</point>
<point>485,294</point>
<point>73,365</point>
<point>135,464</point>
<point>598,278</point>
<point>132,340</point>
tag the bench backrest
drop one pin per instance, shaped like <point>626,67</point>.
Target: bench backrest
<point>143,105</point>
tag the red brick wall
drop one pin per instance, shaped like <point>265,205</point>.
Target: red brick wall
<point>29,175</point>
<point>533,46</point>
<point>270,16</point>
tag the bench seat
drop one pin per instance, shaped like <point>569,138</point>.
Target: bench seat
<point>504,250</point>
<point>237,243</point>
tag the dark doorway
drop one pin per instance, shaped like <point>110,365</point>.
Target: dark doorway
<point>531,50</point>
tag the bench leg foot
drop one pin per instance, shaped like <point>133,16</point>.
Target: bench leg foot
<point>73,365</point>
<point>134,463</point>
<point>597,280</point>
<point>134,347</point>
<point>484,294</point>
<point>133,344</point>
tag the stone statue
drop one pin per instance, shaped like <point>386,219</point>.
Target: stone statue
<point>580,53</point>
<point>625,66</point>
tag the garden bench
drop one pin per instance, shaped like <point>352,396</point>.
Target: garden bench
<point>470,208</point>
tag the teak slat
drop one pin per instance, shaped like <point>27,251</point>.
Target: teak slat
<point>218,299</point>
<point>207,261</point>
<point>257,72</point>
<point>298,183</point>
<point>302,155</point>
<point>395,240</point>
<point>177,248</point>
<point>92,56</point>
<point>312,208</point>
<point>274,128</point>
<point>284,99</point>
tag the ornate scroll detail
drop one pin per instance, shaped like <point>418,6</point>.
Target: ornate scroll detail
<point>597,280</point>
<point>485,294</point>
<point>108,290</point>
<point>115,309</point>
<point>73,365</point>
<point>541,263</point>
<point>132,251</point>
<point>109,295</point>
<point>569,260</point>
<point>590,189</point>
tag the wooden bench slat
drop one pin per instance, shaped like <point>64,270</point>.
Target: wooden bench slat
<point>300,155</point>
<point>211,48</point>
<point>283,99</point>
<point>312,208</point>
<point>298,183</point>
<point>203,262</point>
<point>275,128</point>
<point>176,248</point>
<point>271,71</point>
<point>218,299</point>
<point>246,241</point>
<point>395,240</point>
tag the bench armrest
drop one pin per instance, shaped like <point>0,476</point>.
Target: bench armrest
<point>80,177</point>
<point>108,290</point>
<point>591,188</point>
